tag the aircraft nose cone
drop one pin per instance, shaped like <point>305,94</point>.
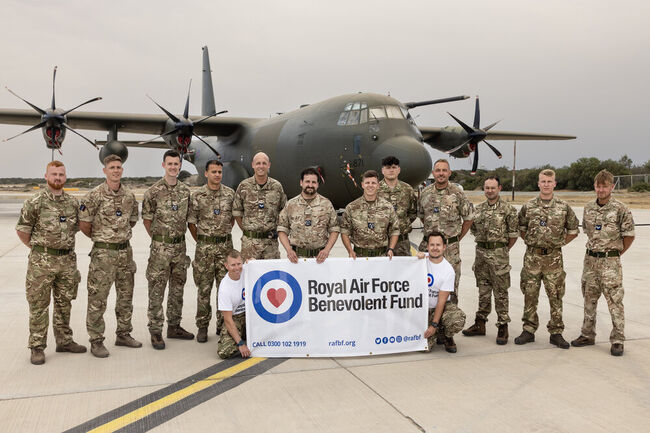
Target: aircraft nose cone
<point>414,159</point>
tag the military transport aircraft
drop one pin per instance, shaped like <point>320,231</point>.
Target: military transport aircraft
<point>341,137</point>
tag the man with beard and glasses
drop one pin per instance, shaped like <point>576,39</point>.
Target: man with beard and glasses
<point>307,226</point>
<point>47,225</point>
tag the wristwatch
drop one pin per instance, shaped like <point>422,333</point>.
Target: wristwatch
<point>434,324</point>
<point>241,342</point>
<point>390,249</point>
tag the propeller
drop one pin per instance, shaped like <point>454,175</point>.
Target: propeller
<point>183,129</point>
<point>53,120</point>
<point>475,135</point>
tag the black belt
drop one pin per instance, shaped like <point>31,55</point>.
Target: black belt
<point>491,245</point>
<point>261,235</point>
<point>109,246</point>
<point>542,251</point>
<point>51,251</point>
<point>404,237</point>
<point>167,239</point>
<point>370,252</point>
<point>603,254</point>
<point>214,239</point>
<point>306,252</point>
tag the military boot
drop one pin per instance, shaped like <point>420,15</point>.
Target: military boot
<point>127,341</point>
<point>98,349</point>
<point>38,356</point>
<point>157,341</point>
<point>502,335</point>
<point>71,347</point>
<point>179,332</point>
<point>525,337</point>
<point>478,328</point>
<point>559,341</point>
<point>616,350</point>
<point>450,345</point>
<point>202,335</point>
<point>583,341</point>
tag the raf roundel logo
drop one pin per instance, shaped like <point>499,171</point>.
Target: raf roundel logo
<point>243,293</point>
<point>270,294</point>
<point>430,280</point>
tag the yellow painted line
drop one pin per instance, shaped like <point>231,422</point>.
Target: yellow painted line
<point>175,397</point>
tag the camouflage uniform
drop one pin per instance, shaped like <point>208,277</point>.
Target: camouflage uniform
<point>227,347</point>
<point>444,210</point>
<point>605,227</point>
<point>259,208</point>
<point>211,212</point>
<point>167,208</point>
<point>493,227</point>
<point>308,223</point>
<point>405,202</point>
<point>544,225</point>
<point>451,322</point>
<point>111,258</point>
<point>52,222</point>
<point>369,224</point>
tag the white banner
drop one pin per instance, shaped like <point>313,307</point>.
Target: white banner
<point>342,307</point>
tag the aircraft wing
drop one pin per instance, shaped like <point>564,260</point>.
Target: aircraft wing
<point>431,133</point>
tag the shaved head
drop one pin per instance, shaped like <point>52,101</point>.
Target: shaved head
<point>261,155</point>
<point>261,165</point>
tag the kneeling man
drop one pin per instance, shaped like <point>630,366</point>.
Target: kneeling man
<point>233,308</point>
<point>445,318</point>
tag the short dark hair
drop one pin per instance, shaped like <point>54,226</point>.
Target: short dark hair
<point>309,170</point>
<point>389,160</point>
<point>213,162</point>
<point>493,178</point>
<point>436,234</point>
<point>171,153</point>
<point>369,173</point>
<point>234,254</point>
<point>111,158</point>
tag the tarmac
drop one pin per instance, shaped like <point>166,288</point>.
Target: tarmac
<point>482,388</point>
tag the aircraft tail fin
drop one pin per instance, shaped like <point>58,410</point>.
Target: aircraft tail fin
<point>207,96</point>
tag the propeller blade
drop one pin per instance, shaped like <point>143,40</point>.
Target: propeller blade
<point>173,131</point>
<point>53,83</point>
<point>187,103</point>
<point>206,143</point>
<point>39,110</point>
<point>170,115</point>
<point>85,138</point>
<point>475,163</point>
<point>494,149</point>
<point>82,104</point>
<point>477,115</point>
<point>487,128</point>
<point>40,125</point>
<point>467,128</point>
<point>212,115</point>
<point>458,147</point>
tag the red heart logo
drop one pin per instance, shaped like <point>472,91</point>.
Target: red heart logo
<point>276,297</point>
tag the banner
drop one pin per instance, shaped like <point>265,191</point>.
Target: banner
<point>342,307</point>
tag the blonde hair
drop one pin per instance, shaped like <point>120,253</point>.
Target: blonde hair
<point>604,177</point>
<point>547,172</point>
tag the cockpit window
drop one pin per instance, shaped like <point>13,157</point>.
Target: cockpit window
<point>356,113</point>
<point>394,112</point>
<point>378,112</point>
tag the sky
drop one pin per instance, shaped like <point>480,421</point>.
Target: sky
<point>578,68</point>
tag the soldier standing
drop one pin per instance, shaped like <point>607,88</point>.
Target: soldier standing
<point>369,222</point>
<point>210,222</point>
<point>404,200</point>
<point>107,214</point>
<point>546,224</point>
<point>495,230</point>
<point>444,208</point>
<point>308,226</point>
<point>47,225</point>
<point>258,202</point>
<point>164,213</point>
<point>609,226</point>
<point>233,308</point>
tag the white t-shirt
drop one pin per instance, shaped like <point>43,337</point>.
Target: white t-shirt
<point>439,277</point>
<point>232,295</point>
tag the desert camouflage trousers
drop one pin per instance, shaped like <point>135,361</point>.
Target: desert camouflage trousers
<point>167,263</point>
<point>603,276</point>
<point>492,272</point>
<point>452,254</point>
<point>208,268</point>
<point>227,347</point>
<point>451,322</point>
<point>549,269</point>
<point>259,249</point>
<point>108,267</point>
<point>56,277</point>
<point>402,248</point>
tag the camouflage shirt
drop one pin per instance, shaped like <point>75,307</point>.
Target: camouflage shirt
<point>259,206</point>
<point>495,223</point>
<point>110,212</point>
<point>545,225</point>
<point>444,210</point>
<point>167,207</point>
<point>211,211</point>
<point>51,220</point>
<point>369,223</point>
<point>308,223</point>
<point>404,201</point>
<point>607,225</point>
